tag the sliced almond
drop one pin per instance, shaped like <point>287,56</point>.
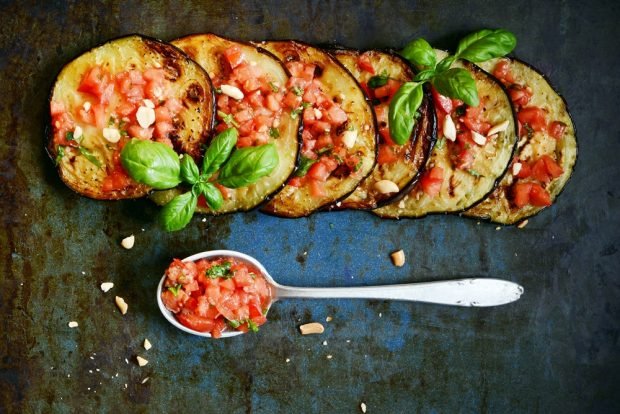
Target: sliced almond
<point>112,135</point>
<point>141,361</point>
<point>317,113</point>
<point>78,132</point>
<point>106,286</point>
<point>128,242</point>
<point>386,187</point>
<point>478,138</point>
<point>349,138</point>
<point>121,304</point>
<point>398,258</point>
<point>516,168</point>
<point>363,407</point>
<point>232,91</point>
<point>86,106</point>
<point>147,344</point>
<point>148,103</point>
<point>73,324</point>
<point>145,116</point>
<point>449,129</point>
<point>501,127</point>
<point>522,224</point>
<point>311,328</point>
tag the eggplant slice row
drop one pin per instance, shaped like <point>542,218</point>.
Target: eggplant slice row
<point>462,188</point>
<point>499,207</point>
<point>403,163</point>
<point>89,125</point>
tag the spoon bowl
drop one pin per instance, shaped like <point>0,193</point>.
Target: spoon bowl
<point>469,292</point>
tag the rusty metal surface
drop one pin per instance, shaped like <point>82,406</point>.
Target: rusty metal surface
<point>555,350</point>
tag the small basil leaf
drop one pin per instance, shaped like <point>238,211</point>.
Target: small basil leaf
<point>424,75</point>
<point>189,170</point>
<point>246,165</point>
<point>219,150</point>
<point>151,163</point>
<point>457,83</point>
<point>304,165</point>
<point>403,108</point>
<point>445,64</point>
<point>420,53</point>
<point>212,195</point>
<point>486,44</point>
<point>377,81</point>
<point>178,212</point>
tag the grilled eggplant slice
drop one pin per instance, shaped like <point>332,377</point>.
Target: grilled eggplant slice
<point>466,170</point>
<point>381,73</point>
<point>255,75</point>
<point>546,135</point>
<point>339,139</point>
<point>96,106</point>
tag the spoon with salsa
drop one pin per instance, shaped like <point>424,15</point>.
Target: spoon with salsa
<point>223,293</point>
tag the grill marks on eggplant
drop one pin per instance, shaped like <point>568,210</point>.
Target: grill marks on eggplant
<point>461,189</point>
<point>410,158</point>
<point>208,50</point>
<point>191,125</point>
<point>498,207</point>
<point>340,84</point>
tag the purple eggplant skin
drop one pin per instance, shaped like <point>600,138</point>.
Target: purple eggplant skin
<point>192,126</point>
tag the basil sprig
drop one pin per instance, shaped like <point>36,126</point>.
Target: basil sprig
<point>158,166</point>
<point>453,82</point>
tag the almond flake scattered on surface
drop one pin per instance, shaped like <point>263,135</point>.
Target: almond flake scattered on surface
<point>329,319</point>
<point>147,344</point>
<point>363,407</point>
<point>128,242</point>
<point>141,361</point>
<point>398,258</point>
<point>329,357</point>
<point>121,304</point>
<point>73,324</point>
<point>324,343</point>
<point>311,328</point>
<point>288,360</point>
<point>106,286</point>
<point>522,224</point>
<point>145,380</point>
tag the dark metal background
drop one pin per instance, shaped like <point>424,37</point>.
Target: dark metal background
<point>555,350</point>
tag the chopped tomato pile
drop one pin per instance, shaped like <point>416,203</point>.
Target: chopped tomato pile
<point>216,295</point>
<point>327,142</point>
<point>128,104</point>
<point>531,177</point>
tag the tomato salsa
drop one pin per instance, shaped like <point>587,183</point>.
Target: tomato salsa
<point>214,295</point>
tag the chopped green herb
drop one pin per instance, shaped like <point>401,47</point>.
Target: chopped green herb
<point>124,133</point>
<point>252,326</point>
<point>111,121</point>
<point>325,149</point>
<point>221,270</point>
<point>440,143</point>
<point>218,90</point>
<point>274,133</point>
<point>59,154</point>
<point>228,119</point>
<point>295,112</point>
<point>358,166</point>
<point>122,125</point>
<point>297,90</point>
<point>338,159</point>
<point>175,289</point>
<point>305,104</point>
<point>378,80</point>
<point>69,136</point>
<point>304,165</point>
<point>274,87</point>
<point>474,173</point>
<point>265,310</point>
<point>234,324</point>
<point>89,156</point>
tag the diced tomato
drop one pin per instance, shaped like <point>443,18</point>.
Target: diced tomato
<point>388,90</point>
<point>539,196</point>
<point>173,302</point>
<point>442,102</point>
<point>540,173</point>
<point>525,171</point>
<point>295,182</point>
<point>162,114</point>
<point>116,180</point>
<point>552,167</point>
<point>465,159</point>
<point>196,322</point>
<point>502,71</point>
<point>519,95</point>
<point>386,154</point>
<point>533,116</point>
<point>317,188</point>
<point>336,116</point>
<point>319,171</point>
<point>365,64</point>
<point>174,105</point>
<point>99,115</point>
<point>96,82</point>
<point>272,103</point>
<point>556,129</point>
<point>521,194</point>
<point>151,74</point>
<point>57,108</point>
<point>135,131</point>
<point>162,129</point>
<point>432,181</point>
<point>234,56</point>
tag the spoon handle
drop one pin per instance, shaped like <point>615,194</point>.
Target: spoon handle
<point>460,292</point>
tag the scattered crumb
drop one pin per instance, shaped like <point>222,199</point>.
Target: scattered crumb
<point>128,242</point>
<point>121,304</point>
<point>325,343</point>
<point>498,228</point>
<point>204,220</point>
<point>83,272</point>
<point>329,319</point>
<point>73,324</point>
<point>348,341</point>
<point>522,224</point>
<point>288,360</point>
<point>90,371</point>
<point>380,314</point>
<point>106,286</point>
<point>311,328</point>
<point>126,361</point>
<point>97,369</point>
<point>92,357</point>
<point>363,407</point>
<point>141,361</point>
<point>329,357</point>
<point>147,344</point>
<point>398,258</point>
<point>145,380</point>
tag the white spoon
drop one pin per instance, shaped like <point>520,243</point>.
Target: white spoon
<point>458,292</point>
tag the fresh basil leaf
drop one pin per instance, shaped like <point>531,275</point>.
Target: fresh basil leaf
<point>457,83</point>
<point>377,81</point>
<point>220,270</point>
<point>151,163</point>
<point>212,195</point>
<point>246,165</point>
<point>219,151</point>
<point>403,108</point>
<point>304,165</point>
<point>89,156</point>
<point>486,44</point>
<point>420,53</point>
<point>178,213</point>
<point>445,64</point>
<point>424,75</point>
<point>189,170</point>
